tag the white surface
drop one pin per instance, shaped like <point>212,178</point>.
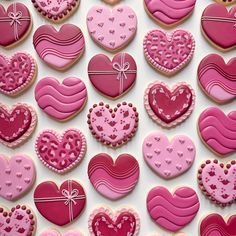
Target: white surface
<point>146,75</point>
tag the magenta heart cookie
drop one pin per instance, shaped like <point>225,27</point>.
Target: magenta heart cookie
<point>113,179</point>
<point>112,29</point>
<point>113,127</point>
<point>17,176</point>
<point>16,124</point>
<point>56,10</point>
<point>112,78</point>
<point>168,159</point>
<point>61,101</point>
<point>218,131</point>
<point>15,22</point>
<point>218,25</point>
<point>169,107</point>
<point>59,49</point>
<point>20,221</point>
<point>60,206</point>
<point>218,181</point>
<point>56,233</point>
<point>172,212</point>
<point>104,222</point>
<point>169,53</point>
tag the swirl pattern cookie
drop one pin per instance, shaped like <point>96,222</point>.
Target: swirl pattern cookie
<point>172,212</point>
<point>113,180</point>
<point>114,29</point>
<point>218,79</point>
<point>59,49</point>
<point>168,53</point>
<point>55,233</point>
<point>218,131</point>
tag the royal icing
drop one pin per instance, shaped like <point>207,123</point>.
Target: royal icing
<point>55,233</point>
<point>226,2</point>
<point>168,53</point>
<point>59,49</point>
<point>168,159</point>
<point>169,12</point>
<point>112,29</point>
<point>112,78</point>
<point>15,22</point>
<point>169,107</point>
<point>113,179</point>
<point>61,152</point>
<point>172,212</point>
<point>60,206</point>
<point>218,131</point>
<point>113,127</point>
<point>61,100</point>
<point>219,25</point>
<point>16,124</point>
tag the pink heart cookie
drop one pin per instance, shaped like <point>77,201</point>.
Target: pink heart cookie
<point>168,53</point>
<point>17,176</point>
<point>61,153</point>
<point>15,22</point>
<point>218,131</point>
<point>61,101</point>
<point>113,127</point>
<point>168,159</point>
<point>169,107</point>
<point>16,73</point>
<point>113,179</point>
<point>218,25</point>
<point>112,29</point>
<point>16,124</point>
<point>218,181</point>
<point>59,49</point>
<point>112,78</point>
<point>172,212</point>
<point>55,233</point>
<point>60,206</point>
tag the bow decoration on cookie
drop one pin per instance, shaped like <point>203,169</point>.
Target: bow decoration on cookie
<point>71,196</point>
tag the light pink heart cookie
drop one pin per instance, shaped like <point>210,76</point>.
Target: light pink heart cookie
<point>17,176</point>
<point>55,233</point>
<point>168,159</point>
<point>112,29</point>
<point>113,127</point>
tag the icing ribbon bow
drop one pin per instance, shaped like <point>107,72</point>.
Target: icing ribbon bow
<point>70,196</point>
<point>15,16</point>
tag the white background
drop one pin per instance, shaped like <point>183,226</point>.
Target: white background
<point>145,76</point>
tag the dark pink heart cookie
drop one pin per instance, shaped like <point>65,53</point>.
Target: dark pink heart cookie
<point>112,78</point>
<point>61,153</point>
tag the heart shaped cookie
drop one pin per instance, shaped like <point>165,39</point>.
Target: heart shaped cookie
<point>60,206</point>
<point>168,159</point>
<point>112,78</point>
<point>17,73</point>
<point>61,101</point>
<point>114,29</point>
<point>113,179</point>
<point>226,2</point>
<point>218,181</point>
<point>104,222</point>
<point>56,10</point>
<point>61,153</point>
<point>218,79</point>
<point>59,49</point>
<point>16,124</point>
<point>168,53</point>
<point>56,233</point>
<point>113,127</point>
<point>218,131</point>
<point>169,107</point>
<point>172,212</point>
<point>17,176</point>
<point>218,26</point>
<point>15,22</point>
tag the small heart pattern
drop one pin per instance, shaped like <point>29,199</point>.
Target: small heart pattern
<point>112,29</point>
<point>112,78</point>
<point>168,159</point>
<point>169,107</point>
<point>56,233</point>
<point>218,181</point>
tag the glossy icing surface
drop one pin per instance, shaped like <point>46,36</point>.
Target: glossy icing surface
<point>55,233</point>
<point>172,212</point>
<point>218,131</point>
